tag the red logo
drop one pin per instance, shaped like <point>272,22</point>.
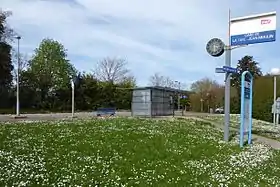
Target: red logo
<point>265,21</point>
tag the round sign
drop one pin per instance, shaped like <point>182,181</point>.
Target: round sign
<point>215,47</point>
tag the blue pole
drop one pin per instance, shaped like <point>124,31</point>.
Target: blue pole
<point>242,111</point>
<point>250,110</point>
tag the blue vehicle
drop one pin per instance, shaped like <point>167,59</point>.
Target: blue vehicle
<point>105,112</point>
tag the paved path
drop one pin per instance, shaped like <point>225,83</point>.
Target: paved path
<point>273,143</point>
<point>79,115</point>
<point>55,116</point>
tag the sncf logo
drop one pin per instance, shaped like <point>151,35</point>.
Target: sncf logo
<point>265,21</point>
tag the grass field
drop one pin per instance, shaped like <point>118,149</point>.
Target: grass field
<point>130,152</point>
<point>259,127</point>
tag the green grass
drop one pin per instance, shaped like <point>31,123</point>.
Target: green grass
<point>259,127</point>
<point>130,152</point>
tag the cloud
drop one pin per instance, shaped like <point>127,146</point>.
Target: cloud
<point>153,35</point>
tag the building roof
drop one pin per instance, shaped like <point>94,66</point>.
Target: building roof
<point>160,88</point>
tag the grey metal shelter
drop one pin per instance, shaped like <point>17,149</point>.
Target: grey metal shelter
<point>153,101</point>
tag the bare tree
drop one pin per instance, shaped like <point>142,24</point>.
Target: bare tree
<point>160,80</point>
<point>23,61</point>
<point>203,85</point>
<point>207,90</point>
<point>156,80</point>
<point>112,69</point>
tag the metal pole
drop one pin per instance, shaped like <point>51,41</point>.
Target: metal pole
<point>227,94</point>
<point>227,83</point>
<point>173,105</point>
<point>18,70</point>
<point>201,105</point>
<point>274,102</point>
<point>179,96</point>
<point>73,99</point>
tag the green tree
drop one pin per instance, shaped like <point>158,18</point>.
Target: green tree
<point>247,63</point>
<point>6,33</point>
<point>263,97</point>
<point>51,71</point>
<point>87,92</point>
<point>124,93</point>
<point>28,91</point>
<point>6,66</point>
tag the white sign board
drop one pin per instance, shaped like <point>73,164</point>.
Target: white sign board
<point>246,106</point>
<point>277,107</point>
<point>253,29</point>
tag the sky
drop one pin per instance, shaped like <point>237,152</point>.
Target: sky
<point>155,36</point>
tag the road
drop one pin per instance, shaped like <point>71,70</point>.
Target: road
<point>78,115</point>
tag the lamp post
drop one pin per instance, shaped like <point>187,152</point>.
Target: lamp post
<point>201,105</point>
<point>275,72</point>
<point>73,97</point>
<point>208,103</point>
<point>18,71</point>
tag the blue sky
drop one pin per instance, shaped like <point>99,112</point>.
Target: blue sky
<point>155,36</point>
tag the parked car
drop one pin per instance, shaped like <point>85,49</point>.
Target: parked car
<point>219,110</point>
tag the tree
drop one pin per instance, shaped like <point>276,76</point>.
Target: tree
<point>5,52</point>
<point>160,80</point>
<point>51,69</point>
<point>6,66</point>
<point>112,70</point>
<point>6,33</point>
<point>247,63</point>
<point>204,86</point>
<point>23,60</point>
<point>124,93</point>
<point>87,94</point>
<point>29,95</point>
<point>263,97</point>
<point>208,93</point>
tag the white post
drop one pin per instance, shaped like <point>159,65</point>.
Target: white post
<point>201,105</point>
<point>274,102</point>
<point>18,71</point>
<point>73,98</point>
<point>179,95</point>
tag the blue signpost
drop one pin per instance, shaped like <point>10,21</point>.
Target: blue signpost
<point>226,69</point>
<point>246,108</point>
<point>219,70</point>
<point>243,31</point>
<point>229,69</point>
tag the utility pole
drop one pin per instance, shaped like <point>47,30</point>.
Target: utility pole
<point>73,97</point>
<point>18,71</point>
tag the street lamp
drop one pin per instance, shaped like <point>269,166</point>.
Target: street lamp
<point>179,86</point>
<point>73,96</point>
<point>18,71</point>
<point>208,103</point>
<point>275,72</point>
<point>201,105</point>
